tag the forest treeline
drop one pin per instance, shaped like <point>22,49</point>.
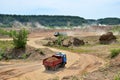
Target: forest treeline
<point>51,21</point>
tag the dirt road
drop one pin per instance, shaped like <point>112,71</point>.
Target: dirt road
<point>77,64</point>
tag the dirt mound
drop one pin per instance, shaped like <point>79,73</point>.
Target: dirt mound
<point>107,38</point>
<point>29,53</point>
<point>41,54</point>
<point>72,42</point>
<point>66,43</point>
<point>50,43</point>
<point>20,53</point>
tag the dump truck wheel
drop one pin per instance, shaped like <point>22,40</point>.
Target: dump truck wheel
<point>56,67</point>
<point>46,67</point>
<point>62,65</point>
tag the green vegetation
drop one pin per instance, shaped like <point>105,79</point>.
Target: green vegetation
<point>4,32</point>
<point>91,21</point>
<point>77,50</point>
<point>1,54</point>
<point>53,21</point>
<point>116,29</point>
<point>114,52</point>
<point>4,45</point>
<point>109,21</point>
<point>24,56</point>
<point>45,20</point>
<point>19,42</point>
<point>60,39</point>
<point>117,77</point>
<point>20,38</point>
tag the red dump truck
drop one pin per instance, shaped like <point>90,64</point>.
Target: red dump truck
<point>55,61</point>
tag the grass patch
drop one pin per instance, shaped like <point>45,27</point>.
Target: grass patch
<point>76,50</point>
<point>24,56</point>
<point>6,45</point>
<point>40,51</point>
<point>116,29</point>
<point>1,54</point>
<point>114,52</point>
<point>117,77</point>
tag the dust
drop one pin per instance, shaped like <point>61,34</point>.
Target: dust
<point>38,25</point>
<point>28,25</point>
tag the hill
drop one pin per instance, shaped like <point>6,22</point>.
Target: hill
<point>44,20</point>
<point>51,21</point>
<point>109,21</point>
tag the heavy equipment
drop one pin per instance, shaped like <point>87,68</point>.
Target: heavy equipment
<point>55,61</point>
<point>56,34</point>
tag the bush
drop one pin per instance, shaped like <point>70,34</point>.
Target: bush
<point>1,54</point>
<point>24,56</point>
<point>60,39</point>
<point>116,29</point>
<point>114,52</point>
<point>20,38</point>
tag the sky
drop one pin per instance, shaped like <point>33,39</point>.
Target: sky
<point>89,9</point>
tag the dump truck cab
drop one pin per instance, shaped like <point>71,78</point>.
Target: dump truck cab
<point>64,59</point>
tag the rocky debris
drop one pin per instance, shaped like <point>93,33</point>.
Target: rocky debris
<point>107,38</point>
<point>50,43</point>
<point>66,43</point>
<point>72,42</point>
<point>77,42</point>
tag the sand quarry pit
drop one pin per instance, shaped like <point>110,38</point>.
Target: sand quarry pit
<point>76,64</point>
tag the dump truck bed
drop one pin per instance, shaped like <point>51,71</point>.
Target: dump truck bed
<point>52,61</point>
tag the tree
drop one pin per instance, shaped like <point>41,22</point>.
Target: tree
<point>20,38</point>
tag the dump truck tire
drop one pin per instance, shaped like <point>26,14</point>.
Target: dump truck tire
<point>62,65</point>
<point>47,68</point>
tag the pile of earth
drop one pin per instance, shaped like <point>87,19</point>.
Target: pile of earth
<point>66,42</point>
<point>29,53</point>
<point>107,73</point>
<point>41,54</point>
<point>72,42</point>
<point>107,38</point>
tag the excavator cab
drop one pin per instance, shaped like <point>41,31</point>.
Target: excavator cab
<point>56,34</point>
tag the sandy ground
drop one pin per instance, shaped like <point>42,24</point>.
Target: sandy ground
<point>77,64</point>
